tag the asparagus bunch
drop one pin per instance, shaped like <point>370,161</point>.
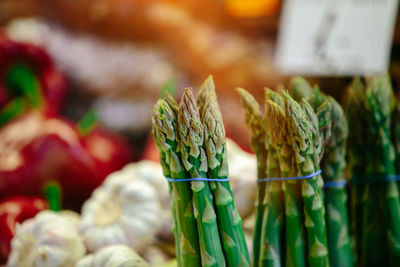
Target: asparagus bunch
<point>334,132</point>
<point>300,128</point>
<point>294,232</point>
<point>380,211</point>
<point>293,143</point>
<point>208,229</point>
<point>166,138</point>
<point>229,221</point>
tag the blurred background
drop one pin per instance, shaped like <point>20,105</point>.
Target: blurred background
<point>79,78</point>
<point>118,54</point>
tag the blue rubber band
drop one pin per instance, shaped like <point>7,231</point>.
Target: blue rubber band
<point>389,178</point>
<point>197,179</point>
<point>290,178</point>
<point>335,184</point>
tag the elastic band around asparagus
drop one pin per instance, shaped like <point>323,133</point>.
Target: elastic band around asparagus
<point>229,221</point>
<point>299,129</point>
<point>194,159</point>
<point>165,136</point>
<point>281,140</point>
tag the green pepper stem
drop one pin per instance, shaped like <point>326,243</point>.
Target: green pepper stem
<point>53,194</point>
<point>13,109</point>
<point>21,80</point>
<point>87,123</point>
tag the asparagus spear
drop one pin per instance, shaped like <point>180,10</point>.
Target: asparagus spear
<point>299,127</point>
<point>195,162</point>
<point>229,221</point>
<point>255,122</point>
<point>357,161</point>
<point>333,165</point>
<point>165,136</point>
<point>294,231</point>
<point>299,88</point>
<point>379,96</point>
<point>271,238</point>
<point>316,140</point>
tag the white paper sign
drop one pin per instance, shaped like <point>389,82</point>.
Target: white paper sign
<point>336,37</point>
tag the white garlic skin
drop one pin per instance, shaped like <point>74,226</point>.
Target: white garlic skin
<point>47,240</point>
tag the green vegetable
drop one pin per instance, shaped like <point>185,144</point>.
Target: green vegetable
<point>166,138</point>
<point>194,160</point>
<point>300,129</point>
<point>300,88</point>
<point>357,161</point>
<point>378,105</point>
<point>333,166</point>
<point>255,122</point>
<point>229,221</point>
<point>280,140</point>
<point>272,226</point>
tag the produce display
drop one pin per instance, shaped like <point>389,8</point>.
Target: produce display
<point>191,140</point>
<point>302,175</point>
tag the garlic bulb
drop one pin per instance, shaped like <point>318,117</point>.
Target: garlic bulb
<point>113,256</point>
<point>124,210</point>
<point>48,239</point>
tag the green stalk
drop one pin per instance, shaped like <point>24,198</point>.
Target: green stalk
<point>165,136</point>
<point>53,194</point>
<point>167,173</point>
<point>357,161</point>
<point>379,96</point>
<point>294,231</point>
<point>195,162</point>
<point>299,127</point>
<point>229,221</point>
<point>255,122</point>
<point>333,166</point>
<point>317,141</point>
<point>271,237</point>
<point>299,88</point>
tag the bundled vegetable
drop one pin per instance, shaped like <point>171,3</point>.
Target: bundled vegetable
<point>379,212</point>
<point>293,195</point>
<point>191,141</point>
<point>333,131</point>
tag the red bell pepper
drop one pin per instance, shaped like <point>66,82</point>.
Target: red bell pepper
<point>27,71</point>
<point>13,210</point>
<point>37,149</point>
